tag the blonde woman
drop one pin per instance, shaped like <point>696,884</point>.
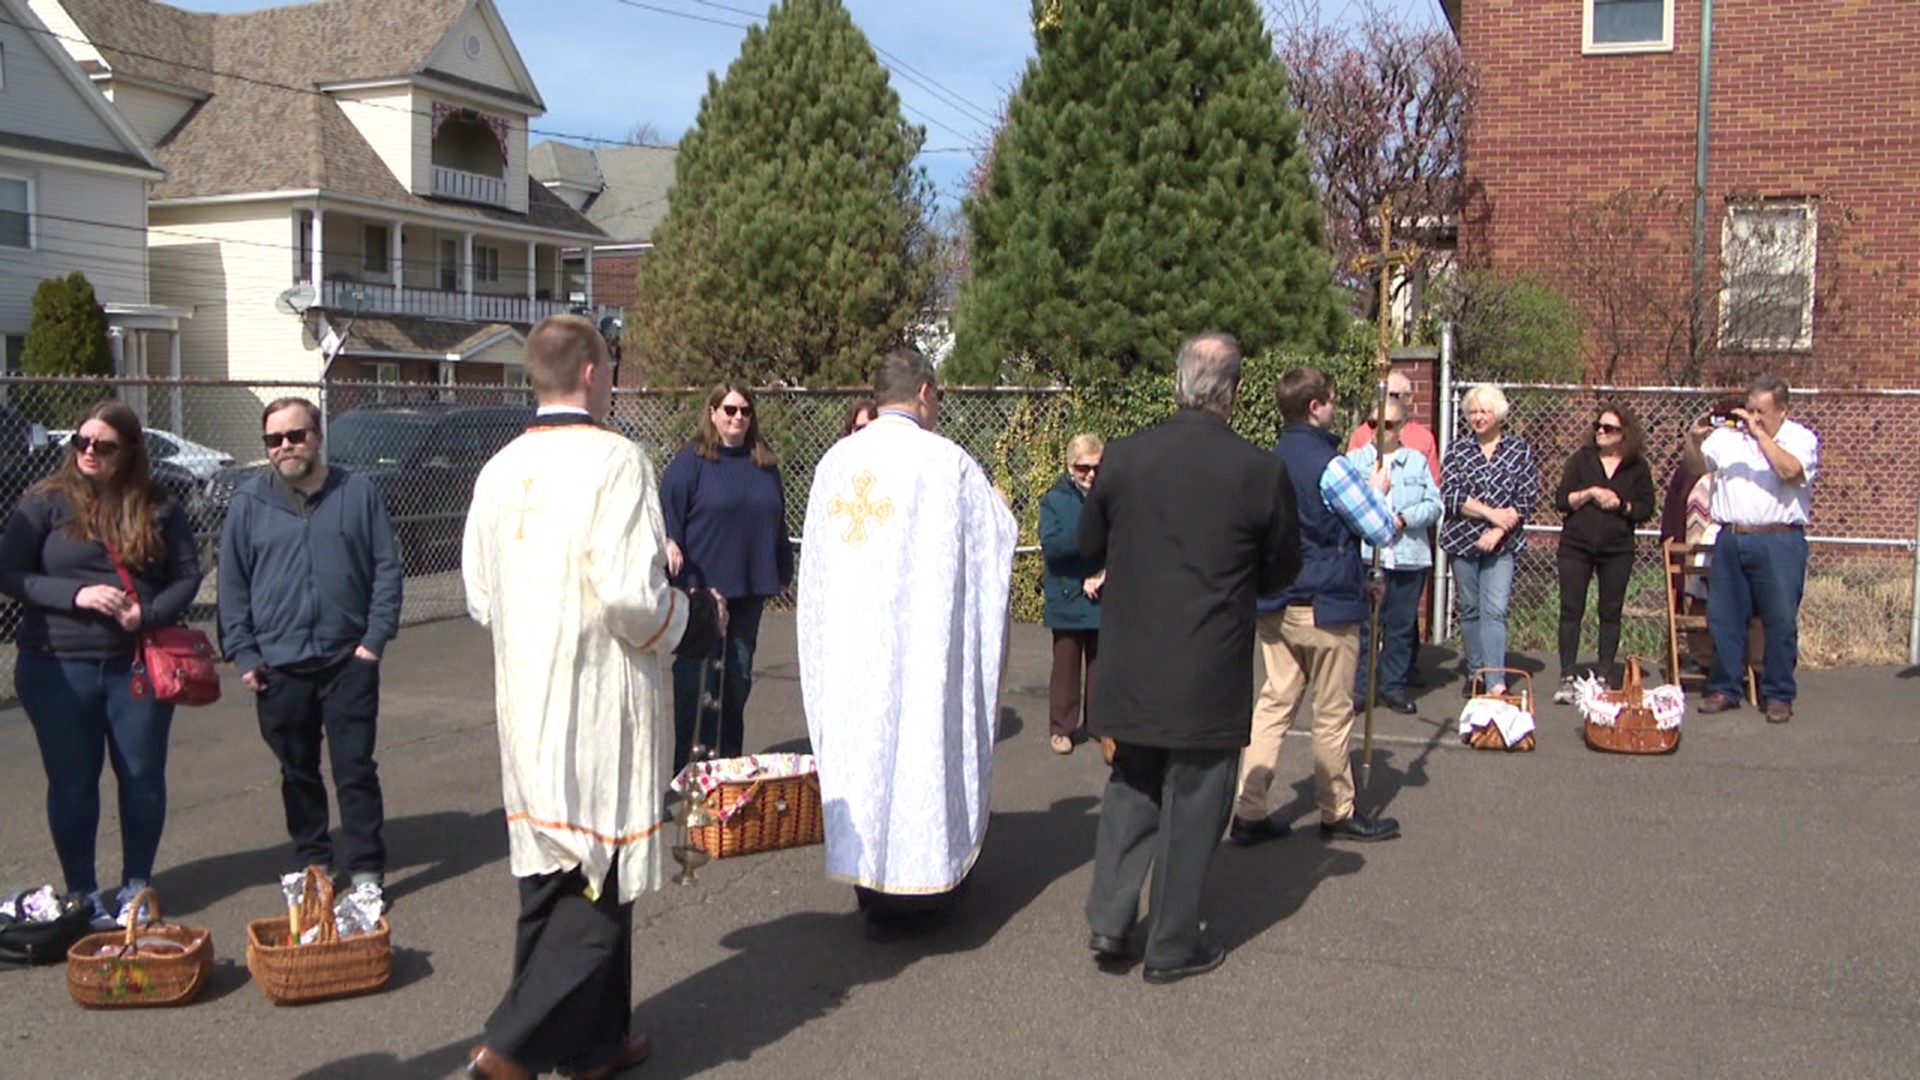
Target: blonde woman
<point>1488,484</point>
<point>1071,584</point>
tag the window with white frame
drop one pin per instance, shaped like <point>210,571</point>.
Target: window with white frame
<point>514,378</point>
<point>486,263</point>
<point>1768,250</point>
<point>449,380</point>
<point>384,373</point>
<point>13,352</point>
<point>373,250</point>
<point>1627,26</point>
<point>16,212</point>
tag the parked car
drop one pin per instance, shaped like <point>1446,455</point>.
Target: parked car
<point>423,458</point>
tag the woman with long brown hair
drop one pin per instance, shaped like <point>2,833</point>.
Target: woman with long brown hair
<point>58,557</point>
<point>1606,490</point>
<point>726,519</point>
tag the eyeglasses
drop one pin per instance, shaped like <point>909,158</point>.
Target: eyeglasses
<point>1085,470</point>
<point>1607,429</point>
<point>1392,425</point>
<point>97,447</point>
<point>737,410</point>
<point>296,437</point>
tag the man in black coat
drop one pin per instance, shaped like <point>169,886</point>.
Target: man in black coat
<point>1194,523</point>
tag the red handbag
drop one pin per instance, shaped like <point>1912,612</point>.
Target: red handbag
<point>174,664</point>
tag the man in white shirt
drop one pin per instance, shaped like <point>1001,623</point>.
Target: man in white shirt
<point>1763,467</point>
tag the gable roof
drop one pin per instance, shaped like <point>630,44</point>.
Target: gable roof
<point>267,127</point>
<point>634,183</point>
<point>133,151</point>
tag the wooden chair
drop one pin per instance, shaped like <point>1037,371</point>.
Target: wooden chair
<point>1686,562</point>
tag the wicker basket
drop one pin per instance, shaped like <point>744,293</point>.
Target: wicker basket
<point>1488,737</point>
<point>1635,731</point>
<point>330,967</point>
<point>763,814</point>
<point>147,964</point>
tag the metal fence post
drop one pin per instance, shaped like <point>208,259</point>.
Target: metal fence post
<point>1913,629</point>
<point>1439,625</point>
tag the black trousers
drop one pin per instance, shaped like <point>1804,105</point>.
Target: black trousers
<point>1578,567</point>
<point>1163,809</point>
<point>691,676</point>
<point>338,704</point>
<point>572,990</point>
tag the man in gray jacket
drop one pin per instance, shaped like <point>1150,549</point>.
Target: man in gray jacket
<point>309,597</point>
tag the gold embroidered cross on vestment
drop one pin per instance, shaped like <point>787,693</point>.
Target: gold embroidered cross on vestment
<point>860,509</point>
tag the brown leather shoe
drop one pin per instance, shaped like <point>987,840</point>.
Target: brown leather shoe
<point>635,1052</point>
<point>489,1064</point>
<point>1714,703</point>
<point>1779,712</point>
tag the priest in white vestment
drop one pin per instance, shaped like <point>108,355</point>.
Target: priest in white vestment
<point>904,578</point>
<point>564,561</point>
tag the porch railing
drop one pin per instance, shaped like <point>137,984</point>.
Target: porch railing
<point>469,187</point>
<point>367,298</point>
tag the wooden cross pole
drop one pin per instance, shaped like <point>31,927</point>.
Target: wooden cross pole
<point>1385,262</point>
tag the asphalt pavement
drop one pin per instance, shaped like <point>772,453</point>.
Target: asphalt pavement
<point>1742,908</point>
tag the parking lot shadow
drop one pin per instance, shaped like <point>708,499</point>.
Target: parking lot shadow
<point>800,967</point>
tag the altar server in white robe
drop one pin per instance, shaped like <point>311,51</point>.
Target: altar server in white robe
<point>904,582</point>
<point>564,561</point>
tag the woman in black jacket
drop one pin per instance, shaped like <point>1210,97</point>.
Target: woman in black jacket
<point>77,636</point>
<point>1605,491</point>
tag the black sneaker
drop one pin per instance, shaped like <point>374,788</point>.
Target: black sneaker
<point>1362,829</point>
<point>1244,833</point>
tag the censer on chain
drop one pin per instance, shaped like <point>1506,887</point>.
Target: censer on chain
<point>694,812</point>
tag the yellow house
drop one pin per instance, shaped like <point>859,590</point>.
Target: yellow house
<point>346,188</point>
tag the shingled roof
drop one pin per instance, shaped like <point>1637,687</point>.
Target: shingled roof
<point>267,126</point>
<point>634,183</point>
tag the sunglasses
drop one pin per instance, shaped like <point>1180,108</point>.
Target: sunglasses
<point>737,410</point>
<point>97,447</point>
<point>1392,425</point>
<point>296,437</point>
<point>1084,470</point>
<point>1607,429</point>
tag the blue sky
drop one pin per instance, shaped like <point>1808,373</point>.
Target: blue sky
<point>604,66</point>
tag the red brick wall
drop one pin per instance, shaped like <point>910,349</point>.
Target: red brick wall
<point>616,280</point>
<point>1809,97</point>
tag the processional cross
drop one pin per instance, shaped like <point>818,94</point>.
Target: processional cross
<point>1385,262</point>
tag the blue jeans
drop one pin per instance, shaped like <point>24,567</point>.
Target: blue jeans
<point>1756,574</point>
<point>1399,614</point>
<point>84,714</point>
<point>1484,587</point>
<point>691,676</point>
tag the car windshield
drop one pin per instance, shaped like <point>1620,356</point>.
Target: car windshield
<point>376,438</point>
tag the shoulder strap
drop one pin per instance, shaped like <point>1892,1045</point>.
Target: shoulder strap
<point>126,579</point>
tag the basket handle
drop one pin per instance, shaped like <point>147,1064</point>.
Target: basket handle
<point>316,905</point>
<point>145,900</point>
<point>1477,680</point>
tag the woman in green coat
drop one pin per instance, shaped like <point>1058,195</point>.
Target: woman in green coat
<point>1071,583</point>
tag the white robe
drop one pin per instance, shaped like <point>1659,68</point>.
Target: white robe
<point>904,579</point>
<point>564,560</point>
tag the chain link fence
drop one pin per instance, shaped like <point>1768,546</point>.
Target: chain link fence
<point>1859,601</point>
<point>423,446</point>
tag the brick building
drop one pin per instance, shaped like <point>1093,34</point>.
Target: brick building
<point>1581,167</point>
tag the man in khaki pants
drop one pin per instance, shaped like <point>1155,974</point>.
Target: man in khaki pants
<point>1310,634</point>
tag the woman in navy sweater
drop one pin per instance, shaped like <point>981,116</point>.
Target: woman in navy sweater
<point>726,514</point>
<point>77,638</point>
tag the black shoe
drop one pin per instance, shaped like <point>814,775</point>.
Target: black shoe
<point>1106,948</point>
<point>1355,827</point>
<point>1399,704</point>
<point>1245,833</point>
<point>1207,959</point>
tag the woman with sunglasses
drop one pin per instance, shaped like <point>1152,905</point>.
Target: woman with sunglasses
<point>58,558</point>
<point>1606,490</point>
<point>1070,587</point>
<point>726,518</point>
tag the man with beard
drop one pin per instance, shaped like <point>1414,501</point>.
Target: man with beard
<point>309,598</point>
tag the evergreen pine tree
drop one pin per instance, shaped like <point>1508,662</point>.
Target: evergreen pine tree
<point>67,331</point>
<point>1149,184</point>
<point>66,335</point>
<point>797,245</point>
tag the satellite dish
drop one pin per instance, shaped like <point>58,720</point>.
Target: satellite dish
<point>295,300</point>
